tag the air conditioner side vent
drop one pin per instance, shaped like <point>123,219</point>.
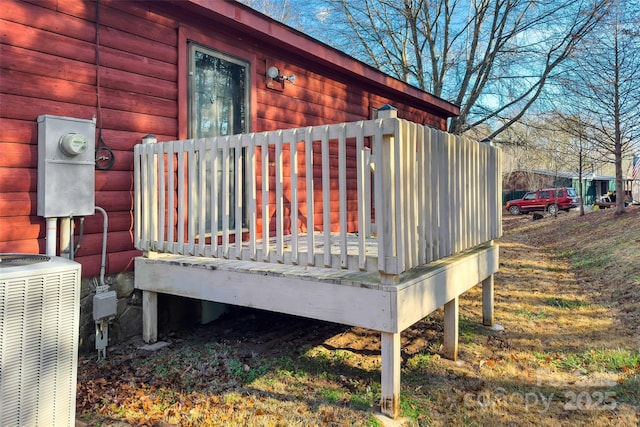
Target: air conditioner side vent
<point>39,323</point>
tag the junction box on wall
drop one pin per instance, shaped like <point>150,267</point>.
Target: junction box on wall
<point>66,166</point>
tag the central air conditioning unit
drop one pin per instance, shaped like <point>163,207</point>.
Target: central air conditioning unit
<point>39,323</point>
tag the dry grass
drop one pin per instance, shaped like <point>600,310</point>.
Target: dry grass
<point>568,296</point>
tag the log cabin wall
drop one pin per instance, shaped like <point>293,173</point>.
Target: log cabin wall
<point>130,72</point>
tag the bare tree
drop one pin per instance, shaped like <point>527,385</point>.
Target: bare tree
<point>491,57</point>
<point>574,146</point>
<point>603,86</point>
<point>280,10</point>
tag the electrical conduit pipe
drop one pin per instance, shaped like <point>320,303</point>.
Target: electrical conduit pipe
<point>105,225</point>
<point>52,225</point>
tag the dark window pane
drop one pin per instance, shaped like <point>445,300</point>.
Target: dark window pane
<point>219,95</point>
<point>219,99</point>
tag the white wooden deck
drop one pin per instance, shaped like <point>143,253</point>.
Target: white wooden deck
<point>427,212</point>
<point>337,295</point>
<point>341,296</point>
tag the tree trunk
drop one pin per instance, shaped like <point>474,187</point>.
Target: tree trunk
<point>581,187</point>
<point>618,132</point>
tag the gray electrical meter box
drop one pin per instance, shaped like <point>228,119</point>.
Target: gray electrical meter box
<point>66,166</point>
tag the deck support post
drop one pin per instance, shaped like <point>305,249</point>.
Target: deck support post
<point>487,301</point>
<point>451,329</point>
<point>149,316</point>
<point>390,381</point>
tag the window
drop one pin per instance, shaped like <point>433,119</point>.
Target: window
<point>219,95</point>
<point>218,106</point>
<point>530,196</point>
<point>545,194</point>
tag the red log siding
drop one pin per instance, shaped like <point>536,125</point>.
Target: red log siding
<point>17,179</point>
<point>48,66</point>
<point>18,204</point>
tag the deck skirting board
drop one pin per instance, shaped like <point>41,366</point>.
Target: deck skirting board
<point>340,296</point>
<point>334,302</point>
<point>450,278</point>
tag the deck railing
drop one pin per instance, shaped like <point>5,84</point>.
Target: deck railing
<point>395,195</point>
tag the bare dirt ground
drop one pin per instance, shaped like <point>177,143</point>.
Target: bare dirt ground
<point>567,296</point>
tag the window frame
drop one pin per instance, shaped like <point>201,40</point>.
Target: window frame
<point>192,47</point>
<point>187,34</point>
